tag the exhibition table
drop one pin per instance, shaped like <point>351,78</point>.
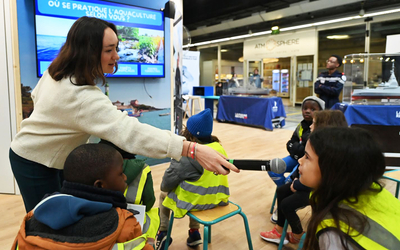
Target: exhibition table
<point>255,111</point>
<point>383,121</point>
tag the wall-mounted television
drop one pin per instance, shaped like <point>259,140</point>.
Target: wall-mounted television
<point>140,33</point>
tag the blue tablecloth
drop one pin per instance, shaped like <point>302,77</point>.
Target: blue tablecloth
<point>256,111</point>
<point>386,115</point>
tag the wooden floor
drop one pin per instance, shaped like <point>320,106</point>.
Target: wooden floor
<point>252,190</point>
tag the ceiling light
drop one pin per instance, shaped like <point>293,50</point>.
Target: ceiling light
<point>361,60</point>
<point>362,11</point>
<point>275,30</point>
<point>338,37</point>
<point>224,50</point>
<point>241,59</point>
<point>270,60</point>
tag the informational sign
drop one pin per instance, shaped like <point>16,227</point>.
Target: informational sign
<point>285,45</point>
<point>392,44</point>
<point>190,71</point>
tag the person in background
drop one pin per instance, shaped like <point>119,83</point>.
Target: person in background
<point>184,181</point>
<point>330,83</point>
<point>295,195</point>
<point>69,107</point>
<point>350,207</point>
<point>296,144</point>
<point>233,82</point>
<point>90,212</point>
<point>256,80</point>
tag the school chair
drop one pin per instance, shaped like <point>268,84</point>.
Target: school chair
<point>394,175</point>
<point>210,217</point>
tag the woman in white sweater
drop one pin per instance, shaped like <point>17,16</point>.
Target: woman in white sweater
<point>69,107</point>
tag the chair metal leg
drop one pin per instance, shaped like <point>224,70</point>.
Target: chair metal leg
<point>301,242</point>
<point>283,235</point>
<point>273,204</point>
<point>205,240</point>
<point>246,226</point>
<point>397,189</point>
<point>209,234</point>
<point>171,222</point>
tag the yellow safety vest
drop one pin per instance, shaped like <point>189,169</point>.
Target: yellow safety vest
<point>135,244</point>
<point>133,194</point>
<point>206,193</point>
<point>382,211</point>
<point>299,131</point>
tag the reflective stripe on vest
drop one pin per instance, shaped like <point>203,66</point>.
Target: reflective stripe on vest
<point>375,235</point>
<point>330,79</point>
<point>151,222</point>
<point>135,244</point>
<point>134,191</point>
<point>206,193</point>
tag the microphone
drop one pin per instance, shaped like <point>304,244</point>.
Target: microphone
<point>275,165</point>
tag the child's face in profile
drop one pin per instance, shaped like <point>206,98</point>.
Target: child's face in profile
<point>308,109</point>
<point>310,173</point>
<point>115,179</point>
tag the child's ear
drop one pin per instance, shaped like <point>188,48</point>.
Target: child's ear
<point>98,183</point>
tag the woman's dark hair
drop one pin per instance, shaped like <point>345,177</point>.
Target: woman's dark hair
<point>185,133</point>
<point>89,162</point>
<point>80,56</point>
<point>350,161</point>
<point>329,118</point>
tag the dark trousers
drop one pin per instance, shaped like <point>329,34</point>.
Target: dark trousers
<point>288,204</point>
<point>34,179</point>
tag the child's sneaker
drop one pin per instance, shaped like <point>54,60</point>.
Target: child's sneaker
<point>161,239</point>
<point>194,238</point>
<point>274,216</point>
<point>273,236</point>
<point>292,239</point>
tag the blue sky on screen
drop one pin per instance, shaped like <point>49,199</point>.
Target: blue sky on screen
<point>52,26</point>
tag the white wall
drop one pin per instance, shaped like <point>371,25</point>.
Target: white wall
<point>6,95</point>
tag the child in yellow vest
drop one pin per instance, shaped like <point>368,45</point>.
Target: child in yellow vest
<point>350,207</point>
<point>186,186</point>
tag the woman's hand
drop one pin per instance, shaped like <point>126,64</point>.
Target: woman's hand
<point>213,161</point>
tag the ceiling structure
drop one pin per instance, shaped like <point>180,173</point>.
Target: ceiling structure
<point>215,19</point>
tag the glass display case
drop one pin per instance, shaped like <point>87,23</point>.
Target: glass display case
<point>372,79</point>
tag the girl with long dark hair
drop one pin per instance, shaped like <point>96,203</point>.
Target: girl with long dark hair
<point>350,207</point>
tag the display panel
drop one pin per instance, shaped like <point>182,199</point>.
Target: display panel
<point>140,33</point>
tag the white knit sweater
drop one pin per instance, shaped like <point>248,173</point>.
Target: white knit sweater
<point>65,115</point>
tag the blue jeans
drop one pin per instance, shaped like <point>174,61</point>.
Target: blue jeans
<point>280,179</point>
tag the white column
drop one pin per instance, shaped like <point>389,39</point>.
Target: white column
<point>7,94</point>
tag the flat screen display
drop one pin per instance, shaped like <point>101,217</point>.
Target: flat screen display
<point>140,33</point>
